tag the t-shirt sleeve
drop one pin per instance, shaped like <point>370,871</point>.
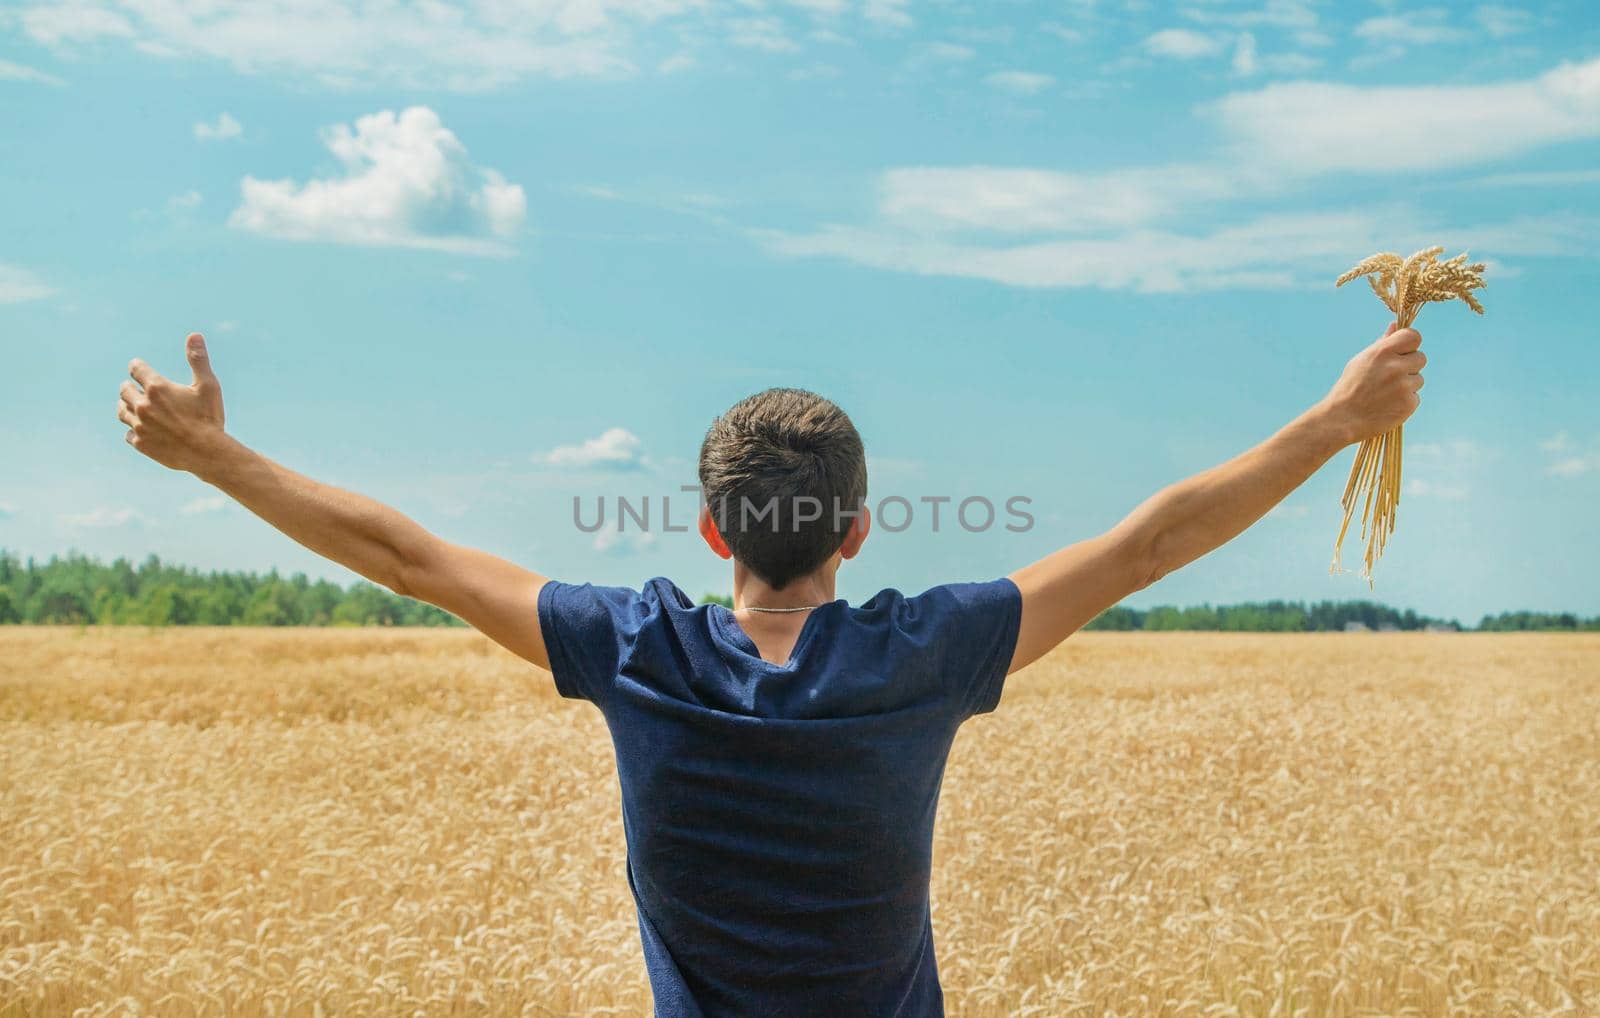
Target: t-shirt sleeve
<point>971,629</point>
<point>586,631</point>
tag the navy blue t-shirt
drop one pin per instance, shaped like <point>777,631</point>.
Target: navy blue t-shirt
<point>779,819</point>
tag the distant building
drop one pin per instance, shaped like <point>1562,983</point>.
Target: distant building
<point>1356,627</point>
<point>1388,627</point>
<point>1440,627</point>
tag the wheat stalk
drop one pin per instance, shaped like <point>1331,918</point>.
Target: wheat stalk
<point>1404,285</point>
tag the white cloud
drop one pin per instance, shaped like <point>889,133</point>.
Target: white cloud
<point>1429,489</point>
<point>768,34</point>
<point>1454,454</point>
<point>614,449</point>
<point>1570,460</point>
<point>1065,33</point>
<point>461,46</point>
<point>225,128</point>
<point>815,72</point>
<point>7,510</point>
<point>1537,178</point>
<point>1312,127</point>
<point>1248,60</point>
<point>1500,21</point>
<point>205,504</point>
<point>1182,44</point>
<point>888,12</point>
<point>18,284</point>
<point>1265,253</point>
<point>677,63</point>
<point>820,8</point>
<point>52,24</point>
<point>103,517</point>
<point>1019,82</point>
<point>1574,466</point>
<point>187,200</point>
<point>1289,63</point>
<point>1419,28</point>
<point>1031,200</point>
<point>1446,467</point>
<point>1244,55</point>
<point>21,72</point>
<point>609,541</point>
<point>1289,15</point>
<point>1542,236</point>
<point>407,183</point>
<point>950,51</point>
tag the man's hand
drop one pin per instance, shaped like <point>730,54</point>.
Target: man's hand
<point>1378,389</point>
<point>177,425</point>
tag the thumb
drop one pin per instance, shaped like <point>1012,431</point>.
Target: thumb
<point>200,362</point>
<point>1392,326</point>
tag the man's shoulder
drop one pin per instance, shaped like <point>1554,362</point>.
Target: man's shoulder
<point>944,597</point>
<point>656,588</point>
<point>662,590</point>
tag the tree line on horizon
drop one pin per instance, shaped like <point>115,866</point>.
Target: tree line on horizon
<point>76,589</point>
<point>79,590</point>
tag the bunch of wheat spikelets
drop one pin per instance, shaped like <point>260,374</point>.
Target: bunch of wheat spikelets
<point>1404,285</point>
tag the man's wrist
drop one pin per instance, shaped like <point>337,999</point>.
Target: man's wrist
<point>1326,428</point>
<point>222,460</point>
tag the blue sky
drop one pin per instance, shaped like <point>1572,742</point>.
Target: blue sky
<point>477,259</point>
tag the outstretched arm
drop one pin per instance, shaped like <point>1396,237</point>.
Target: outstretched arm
<point>181,426</point>
<point>1182,522</point>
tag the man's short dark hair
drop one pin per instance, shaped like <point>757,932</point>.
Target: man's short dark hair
<point>784,475</point>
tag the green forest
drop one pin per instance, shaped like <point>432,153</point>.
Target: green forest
<point>78,590</point>
<point>1322,617</point>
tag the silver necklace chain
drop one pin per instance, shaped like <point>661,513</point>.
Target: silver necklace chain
<point>804,608</point>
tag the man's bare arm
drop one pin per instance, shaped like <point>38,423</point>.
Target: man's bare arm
<point>1186,520</point>
<point>181,426</point>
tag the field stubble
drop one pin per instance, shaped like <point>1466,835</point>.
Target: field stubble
<point>253,822</point>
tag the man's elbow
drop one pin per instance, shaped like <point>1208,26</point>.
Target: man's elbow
<point>1144,543</point>
<point>1147,575</point>
<point>1152,561</point>
<point>410,575</point>
<point>401,583</point>
<point>408,568</point>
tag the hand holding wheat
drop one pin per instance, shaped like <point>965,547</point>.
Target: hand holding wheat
<point>1403,286</point>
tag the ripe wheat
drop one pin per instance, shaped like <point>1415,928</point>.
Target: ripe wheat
<point>1403,286</point>
<point>251,823</point>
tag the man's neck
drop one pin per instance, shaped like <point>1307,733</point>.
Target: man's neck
<point>750,591</point>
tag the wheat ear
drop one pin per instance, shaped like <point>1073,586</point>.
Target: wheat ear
<point>1404,285</point>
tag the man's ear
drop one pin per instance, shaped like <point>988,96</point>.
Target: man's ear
<point>708,530</point>
<point>859,528</point>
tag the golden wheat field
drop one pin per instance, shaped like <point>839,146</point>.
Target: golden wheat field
<point>251,822</point>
